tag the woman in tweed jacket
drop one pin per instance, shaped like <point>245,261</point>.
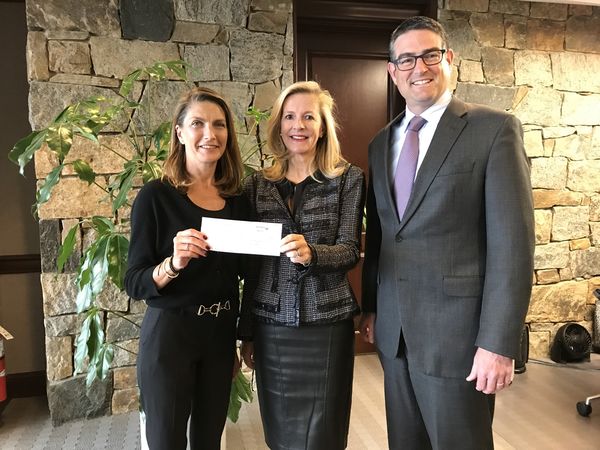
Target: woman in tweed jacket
<point>298,332</point>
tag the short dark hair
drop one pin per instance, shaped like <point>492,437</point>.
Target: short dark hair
<point>418,23</point>
<point>229,171</point>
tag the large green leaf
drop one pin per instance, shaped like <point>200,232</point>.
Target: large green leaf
<point>92,104</point>
<point>81,349</point>
<point>241,390</point>
<point>91,375</point>
<point>125,182</point>
<point>235,404</point>
<point>162,136</point>
<point>96,338</point>
<point>84,171</point>
<point>60,139</point>
<point>179,67</point>
<point>23,150</point>
<point>105,358</point>
<point>95,347</point>
<point>84,297</point>
<point>244,387</point>
<point>65,114</point>
<point>86,131</point>
<point>117,259</point>
<point>83,281</point>
<point>127,83</point>
<point>157,72</point>
<point>43,193</point>
<point>99,265</point>
<point>101,364</point>
<point>151,171</point>
<point>102,225</point>
<point>67,247</point>
<point>257,114</point>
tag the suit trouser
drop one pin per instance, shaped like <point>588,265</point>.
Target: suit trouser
<point>427,412</point>
<point>185,364</point>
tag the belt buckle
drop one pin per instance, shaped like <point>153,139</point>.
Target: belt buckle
<point>214,309</point>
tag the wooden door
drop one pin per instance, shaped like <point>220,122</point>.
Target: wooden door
<point>344,46</point>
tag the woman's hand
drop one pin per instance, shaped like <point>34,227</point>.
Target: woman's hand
<point>295,247</point>
<point>188,244</point>
<point>367,327</point>
<point>248,354</point>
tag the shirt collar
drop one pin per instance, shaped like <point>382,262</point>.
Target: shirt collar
<point>440,105</point>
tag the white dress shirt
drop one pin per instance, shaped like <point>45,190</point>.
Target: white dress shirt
<point>432,115</point>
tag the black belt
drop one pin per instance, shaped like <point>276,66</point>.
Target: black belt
<point>201,310</point>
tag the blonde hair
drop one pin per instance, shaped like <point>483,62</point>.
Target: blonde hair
<point>328,159</point>
<point>229,171</point>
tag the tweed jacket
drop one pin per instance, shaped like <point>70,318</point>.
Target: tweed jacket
<point>330,218</point>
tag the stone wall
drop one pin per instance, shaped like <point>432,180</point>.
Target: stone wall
<point>541,61</point>
<point>538,60</point>
<point>75,48</point>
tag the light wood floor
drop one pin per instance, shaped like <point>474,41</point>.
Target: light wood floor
<point>537,412</point>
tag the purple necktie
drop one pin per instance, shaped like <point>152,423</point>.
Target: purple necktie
<point>407,165</point>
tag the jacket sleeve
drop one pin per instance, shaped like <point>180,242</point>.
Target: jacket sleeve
<point>345,252</point>
<point>250,268</point>
<point>372,248</point>
<point>142,257</point>
<point>510,242</point>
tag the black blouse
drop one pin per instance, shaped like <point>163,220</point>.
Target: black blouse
<point>158,213</point>
<point>292,193</point>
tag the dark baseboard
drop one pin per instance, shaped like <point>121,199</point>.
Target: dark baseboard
<point>26,384</point>
<point>11,264</point>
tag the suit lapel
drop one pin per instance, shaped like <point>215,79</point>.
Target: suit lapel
<point>449,128</point>
<point>384,163</point>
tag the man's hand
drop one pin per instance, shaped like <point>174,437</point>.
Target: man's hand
<point>492,372</point>
<point>367,327</point>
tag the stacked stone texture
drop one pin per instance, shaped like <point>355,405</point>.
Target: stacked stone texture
<point>242,48</point>
<point>541,62</point>
<point>537,60</point>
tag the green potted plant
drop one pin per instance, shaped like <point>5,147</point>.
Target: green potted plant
<point>105,258</point>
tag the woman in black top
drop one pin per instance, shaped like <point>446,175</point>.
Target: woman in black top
<point>187,341</point>
<point>298,329</point>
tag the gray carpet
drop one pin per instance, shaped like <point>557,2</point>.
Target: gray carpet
<point>25,424</point>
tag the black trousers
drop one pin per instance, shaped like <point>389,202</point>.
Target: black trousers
<point>185,366</point>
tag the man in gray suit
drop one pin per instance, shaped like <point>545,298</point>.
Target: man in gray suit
<point>447,275</point>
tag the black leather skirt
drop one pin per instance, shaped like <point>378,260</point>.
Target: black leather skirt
<point>304,380</point>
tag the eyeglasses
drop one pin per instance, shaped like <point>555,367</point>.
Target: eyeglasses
<point>430,58</point>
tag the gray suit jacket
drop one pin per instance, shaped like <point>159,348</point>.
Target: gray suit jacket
<point>456,273</point>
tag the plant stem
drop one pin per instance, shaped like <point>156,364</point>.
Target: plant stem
<point>102,187</point>
<point>114,151</point>
<point>122,316</point>
<point>126,349</point>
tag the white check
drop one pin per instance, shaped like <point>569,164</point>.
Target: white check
<point>240,236</point>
